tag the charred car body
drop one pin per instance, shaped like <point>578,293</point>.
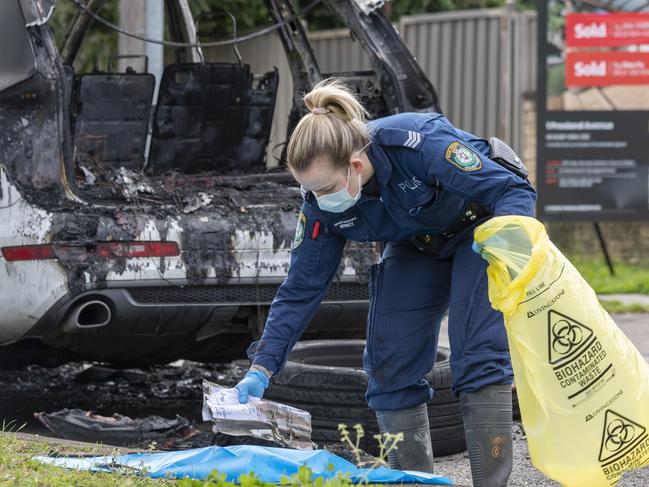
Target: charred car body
<point>133,256</point>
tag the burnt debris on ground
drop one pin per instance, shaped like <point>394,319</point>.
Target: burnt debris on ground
<point>165,391</point>
<point>151,431</point>
<point>155,407</point>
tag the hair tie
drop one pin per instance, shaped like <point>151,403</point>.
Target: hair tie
<point>319,110</point>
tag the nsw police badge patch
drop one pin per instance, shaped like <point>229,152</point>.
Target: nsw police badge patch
<point>299,231</point>
<point>461,156</point>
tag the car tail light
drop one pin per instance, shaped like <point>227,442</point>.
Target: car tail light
<point>107,250</point>
<point>28,252</point>
<point>137,249</point>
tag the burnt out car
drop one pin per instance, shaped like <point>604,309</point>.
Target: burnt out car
<point>132,255</point>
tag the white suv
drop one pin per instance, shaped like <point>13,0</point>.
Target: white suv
<point>131,259</point>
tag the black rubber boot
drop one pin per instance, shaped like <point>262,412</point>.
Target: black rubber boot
<point>488,429</point>
<point>415,452</point>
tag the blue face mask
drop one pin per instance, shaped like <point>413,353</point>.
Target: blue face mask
<point>340,200</point>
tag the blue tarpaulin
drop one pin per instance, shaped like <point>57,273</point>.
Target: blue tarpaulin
<point>269,465</point>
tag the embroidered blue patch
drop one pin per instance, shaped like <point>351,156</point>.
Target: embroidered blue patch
<point>300,231</point>
<point>461,156</point>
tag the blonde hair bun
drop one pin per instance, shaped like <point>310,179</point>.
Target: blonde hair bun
<point>334,95</point>
<point>335,128</point>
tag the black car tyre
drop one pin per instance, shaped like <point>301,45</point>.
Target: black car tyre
<point>326,378</point>
<point>348,397</point>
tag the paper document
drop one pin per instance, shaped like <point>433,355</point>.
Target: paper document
<point>286,425</point>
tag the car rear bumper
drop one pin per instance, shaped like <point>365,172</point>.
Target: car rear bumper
<point>165,315</point>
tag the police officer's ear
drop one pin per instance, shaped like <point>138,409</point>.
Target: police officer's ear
<point>357,164</point>
<point>360,164</point>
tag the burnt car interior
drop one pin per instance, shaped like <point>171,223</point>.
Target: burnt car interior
<point>210,121</point>
<point>212,117</point>
<point>110,118</point>
<point>209,118</point>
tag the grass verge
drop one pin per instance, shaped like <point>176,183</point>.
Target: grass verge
<point>614,306</point>
<point>627,279</point>
<point>18,468</point>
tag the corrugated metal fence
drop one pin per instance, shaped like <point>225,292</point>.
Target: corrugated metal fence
<point>481,62</point>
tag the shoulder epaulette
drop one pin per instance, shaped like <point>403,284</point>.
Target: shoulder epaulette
<point>399,137</point>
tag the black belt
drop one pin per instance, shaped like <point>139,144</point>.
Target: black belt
<point>432,244</point>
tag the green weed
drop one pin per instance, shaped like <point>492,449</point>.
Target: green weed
<point>387,442</point>
<point>303,478</point>
<point>10,426</point>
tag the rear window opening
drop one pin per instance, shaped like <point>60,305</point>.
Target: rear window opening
<point>195,133</point>
<point>209,120</point>
<point>209,128</point>
<point>206,128</point>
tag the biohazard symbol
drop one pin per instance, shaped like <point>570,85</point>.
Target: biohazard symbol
<point>620,434</point>
<point>565,336</point>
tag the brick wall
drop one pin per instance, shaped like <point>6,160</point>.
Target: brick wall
<point>626,242</point>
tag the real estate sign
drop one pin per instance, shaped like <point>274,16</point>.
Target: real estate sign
<point>593,132</point>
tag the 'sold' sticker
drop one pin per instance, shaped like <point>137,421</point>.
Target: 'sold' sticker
<point>463,157</point>
<point>300,231</point>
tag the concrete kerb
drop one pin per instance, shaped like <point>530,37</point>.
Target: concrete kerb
<point>628,299</point>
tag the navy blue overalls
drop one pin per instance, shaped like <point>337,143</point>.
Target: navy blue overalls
<point>428,173</point>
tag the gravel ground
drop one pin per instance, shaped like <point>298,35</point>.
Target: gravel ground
<point>456,467</point>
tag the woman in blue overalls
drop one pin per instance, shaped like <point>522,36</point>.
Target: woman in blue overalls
<point>421,185</point>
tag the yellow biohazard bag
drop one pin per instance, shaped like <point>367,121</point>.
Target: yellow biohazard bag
<point>583,387</point>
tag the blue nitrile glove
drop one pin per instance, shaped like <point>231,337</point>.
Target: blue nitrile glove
<point>254,383</point>
<point>495,241</point>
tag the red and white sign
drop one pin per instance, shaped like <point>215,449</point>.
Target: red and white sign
<point>614,29</point>
<point>606,68</point>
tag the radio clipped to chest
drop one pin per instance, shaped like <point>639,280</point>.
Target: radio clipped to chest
<point>504,155</point>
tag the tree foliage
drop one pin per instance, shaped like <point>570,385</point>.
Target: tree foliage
<point>98,45</point>
<point>251,13</point>
<point>248,13</point>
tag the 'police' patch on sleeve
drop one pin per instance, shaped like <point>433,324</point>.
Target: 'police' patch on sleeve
<point>299,231</point>
<point>461,156</point>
